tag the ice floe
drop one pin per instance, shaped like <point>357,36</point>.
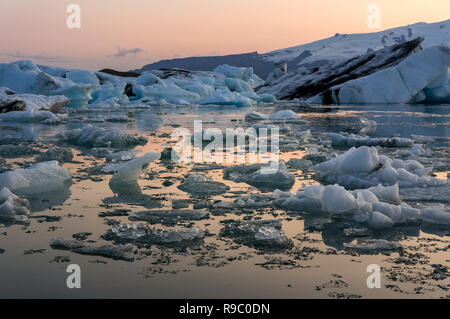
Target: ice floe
<point>374,245</point>
<point>38,178</point>
<point>153,216</point>
<point>226,85</point>
<point>122,252</point>
<point>264,234</point>
<point>140,233</point>
<point>363,167</point>
<point>201,185</point>
<point>270,175</point>
<point>128,172</point>
<point>13,208</point>
<point>352,140</point>
<point>92,136</point>
<point>377,207</point>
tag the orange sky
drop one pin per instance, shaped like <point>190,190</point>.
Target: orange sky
<point>36,29</point>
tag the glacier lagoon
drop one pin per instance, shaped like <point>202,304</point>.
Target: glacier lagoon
<point>237,242</point>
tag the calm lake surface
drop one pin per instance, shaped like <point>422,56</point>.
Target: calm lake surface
<point>318,266</point>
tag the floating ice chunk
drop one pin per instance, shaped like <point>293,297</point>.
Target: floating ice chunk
<point>155,215</point>
<point>147,79</point>
<point>66,244</point>
<point>367,195</point>
<point>38,178</point>
<point>122,156</point>
<point>226,97</point>
<point>237,85</point>
<point>388,194</point>
<point>128,172</point>
<point>142,233</point>
<point>255,116</point>
<point>336,200</point>
<point>361,160</point>
<point>199,184</point>
<point>373,245</point>
<point>12,207</point>
<point>79,94</point>
<point>19,76</point>
<point>80,76</point>
<point>304,204</point>
<point>61,155</point>
<point>409,213</point>
<point>338,140</point>
<point>299,163</point>
<point>270,236</point>
<point>45,117</point>
<point>285,115</point>
<point>391,211</point>
<point>260,98</point>
<point>363,168</point>
<point>92,136</point>
<point>434,194</point>
<point>122,252</point>
<point>244,74</point>
<point>436,215</point>
<point>271,175</point>
<point>417,150</point>
<point>261,234</point>
<point>314,192</point>
<point>168,92</point>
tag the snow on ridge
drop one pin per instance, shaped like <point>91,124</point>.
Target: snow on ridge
<point>345,46</point>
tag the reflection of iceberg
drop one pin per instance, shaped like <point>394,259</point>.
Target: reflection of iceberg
<point>43,201</point>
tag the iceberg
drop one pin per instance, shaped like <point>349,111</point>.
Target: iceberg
<point>261,175</point>
<point>139,233</point>
<point>262,234</point>
<point>363,168</point>
<point>372,207</point>
<point>92,136</point>
<point>352,140</point>
<point>38,178</point>
<point>13,208</point>
<point>255,116</point>
<point>285,115</point>
<point>128,172</point>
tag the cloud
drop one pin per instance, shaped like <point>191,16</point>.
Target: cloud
<point>124,52</point>
<point>39,57</point>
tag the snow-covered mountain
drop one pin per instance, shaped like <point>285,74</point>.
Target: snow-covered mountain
<point>334,49</point>
<point>345,46</point>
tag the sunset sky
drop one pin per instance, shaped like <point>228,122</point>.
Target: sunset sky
<point>128,34</point>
